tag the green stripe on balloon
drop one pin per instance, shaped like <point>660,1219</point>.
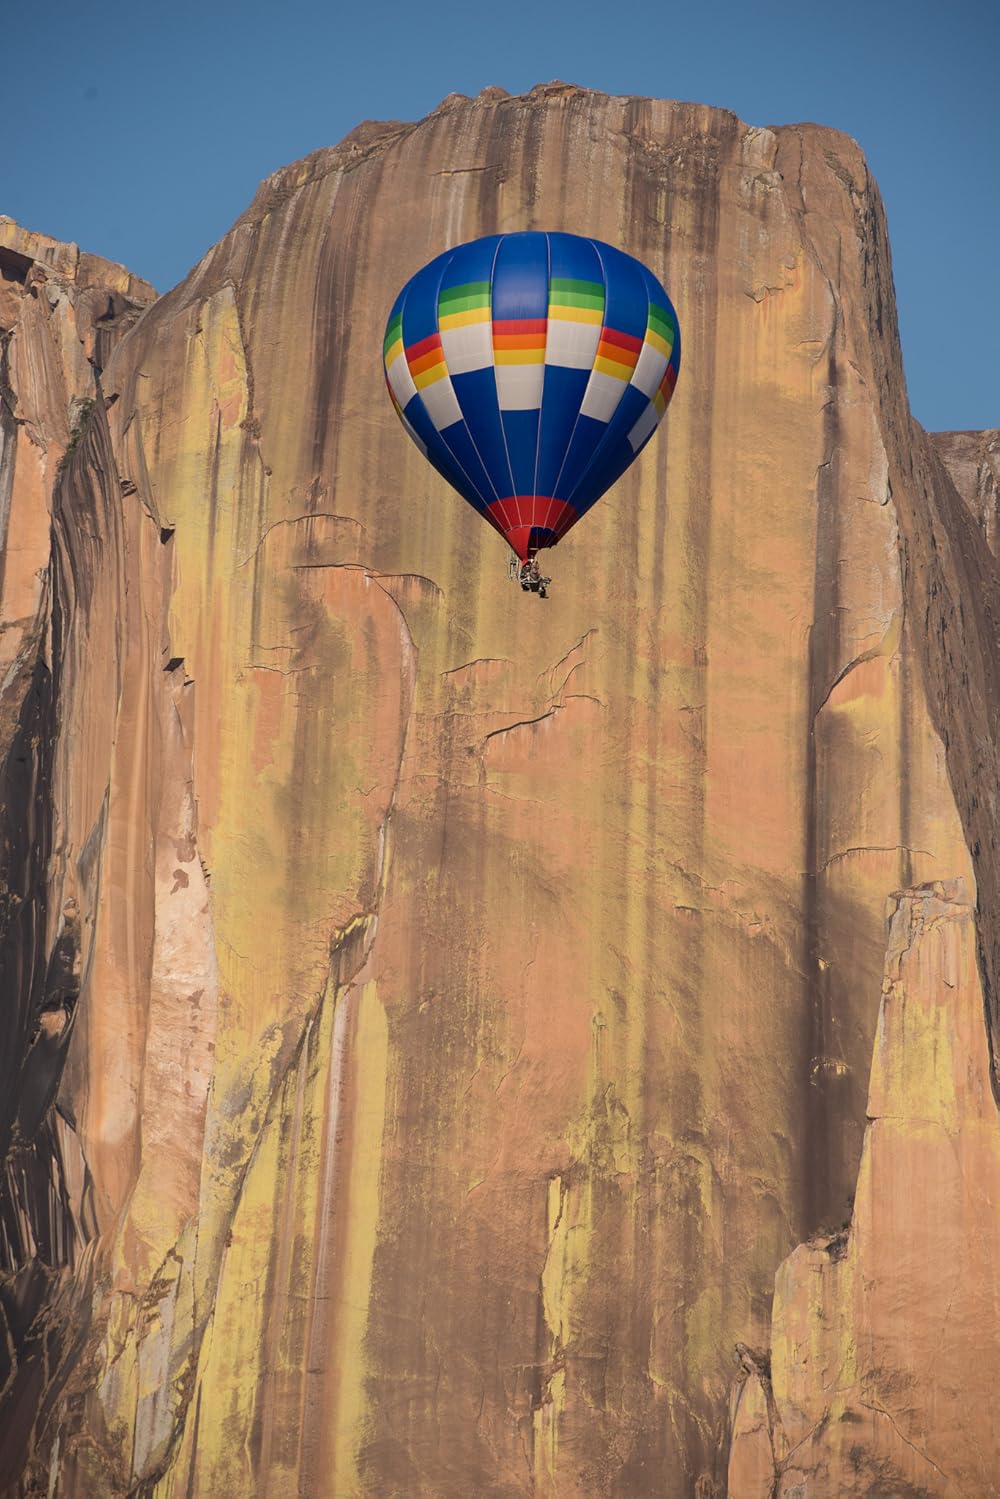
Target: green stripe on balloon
<point>464,298</point>
<point>661,321</point>
<point>576,287</point>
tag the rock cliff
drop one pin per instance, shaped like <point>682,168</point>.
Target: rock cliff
<point>866,1387</point>
<point>972,460</point>
<point>437,1015</point>
<point>61,314</point>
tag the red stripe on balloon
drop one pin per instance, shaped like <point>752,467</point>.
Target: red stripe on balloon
<point>623,340</point>
<point>520,325</point>
<point>517,516</point>
<point>417,351</point>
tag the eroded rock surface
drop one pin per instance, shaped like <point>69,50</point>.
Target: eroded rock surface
<point>61,313</point>
<point>476,996</point>
<point>973,462</point>
<point>877,1330</point>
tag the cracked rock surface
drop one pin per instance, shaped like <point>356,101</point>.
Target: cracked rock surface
<point>441,1014</point>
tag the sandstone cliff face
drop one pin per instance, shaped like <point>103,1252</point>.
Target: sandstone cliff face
<point>973,463</point>
<point>61,313</point>
<point>867,1389</point>
<point>477,997</point>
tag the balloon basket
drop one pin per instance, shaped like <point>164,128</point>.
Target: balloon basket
<point>529,575</point>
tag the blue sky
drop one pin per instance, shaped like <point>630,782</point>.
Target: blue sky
<point>141,131</point>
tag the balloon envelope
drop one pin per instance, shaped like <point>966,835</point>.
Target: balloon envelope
<point>531,369</point>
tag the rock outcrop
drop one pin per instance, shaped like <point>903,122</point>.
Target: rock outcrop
<point>61,314</point>
<point>869,1386</point>
<point>973,463</point>
<point>474,999</point>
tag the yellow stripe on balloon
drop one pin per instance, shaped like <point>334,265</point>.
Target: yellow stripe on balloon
<point>612,367</point>
<point>464,319</point>
<point>428,377</point>
<point>576,314</point>
<point>519,356</point>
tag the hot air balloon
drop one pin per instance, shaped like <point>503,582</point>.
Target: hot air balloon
<point>531,369</point>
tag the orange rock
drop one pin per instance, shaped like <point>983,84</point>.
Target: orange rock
<point>877,1330</point>
<point>60,314</point>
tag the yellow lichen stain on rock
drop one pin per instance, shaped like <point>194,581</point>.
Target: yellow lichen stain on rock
<point>545,1430</point>
<point>284,1354</point>
<point>345,1411</point>
<point>250,1374</point>
<point>566,1247</point>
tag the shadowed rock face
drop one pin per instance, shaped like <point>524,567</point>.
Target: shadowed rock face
<point>474,998</point>
<point>61,312</point>
<point>972,460</point>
